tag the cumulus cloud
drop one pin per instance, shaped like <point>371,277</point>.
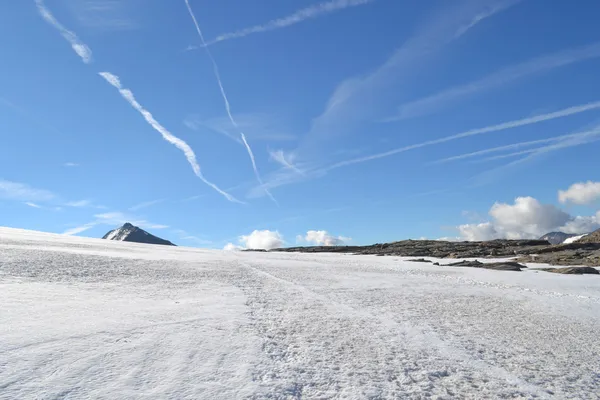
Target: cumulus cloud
<point>527,218</point>
<point>262,240</point>
<point>322,238</point>
<point>580,193</point>
<point>474,232</point>
<point>265,239</point>
<point>232,247</point>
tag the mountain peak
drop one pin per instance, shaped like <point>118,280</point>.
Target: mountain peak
<point>131,233</point>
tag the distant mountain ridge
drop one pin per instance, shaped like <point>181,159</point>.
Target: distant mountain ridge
<point>131,233</point>
<point>557,237</point>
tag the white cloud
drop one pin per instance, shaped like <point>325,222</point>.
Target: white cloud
<point>226,101</point>
<point>527,218</point>
<point>33,205</point>
<point>265,239</point>
<point>476,232</point>
<point>310,12</point>
<point>70,165</point>
<point>582,224</point>
<point>580,193</point>
<point>168,136</point>
<point>78,46</point>
<point>437,101</point>
<point>322,238</point>
<point>21,191</point>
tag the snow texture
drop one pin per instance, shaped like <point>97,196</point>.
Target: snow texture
<point>87,318</point>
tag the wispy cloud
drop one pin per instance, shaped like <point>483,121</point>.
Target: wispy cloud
<point>79,203</point>
<point>146,204</point>
<point>192,198</point>
<point>79,229</point>
<point>488,129</point>
<point>104,15</point>
<point>78,46</point>
<point>21,191</point>
<point>197,240</point>
<point>168,136</point>
<point>304,14</point>
<point>226,101</point>
<point>279,156</point>
<point>361,99</point>
<point>33,205</point>
<point>70,165</point>
<point>450,96</point>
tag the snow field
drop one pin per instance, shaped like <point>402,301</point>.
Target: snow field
<point>84,318</point>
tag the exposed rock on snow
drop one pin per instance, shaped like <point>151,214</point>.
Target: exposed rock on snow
<point>500,266</point>
<point>573,270</point>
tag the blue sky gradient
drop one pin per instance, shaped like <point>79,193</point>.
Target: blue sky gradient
<point>374,120</point>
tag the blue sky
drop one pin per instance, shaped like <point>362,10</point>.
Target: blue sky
<point>277,122</point>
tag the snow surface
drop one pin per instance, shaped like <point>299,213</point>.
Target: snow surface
<point>88,318</point>
<point>573,239</point>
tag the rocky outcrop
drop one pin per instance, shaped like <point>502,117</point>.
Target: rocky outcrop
<point>576,253</point>
<point>572,270</point>
<point>436,248</point>
<point>499,266</point>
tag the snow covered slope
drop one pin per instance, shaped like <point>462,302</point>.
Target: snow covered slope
<point>87,318</point>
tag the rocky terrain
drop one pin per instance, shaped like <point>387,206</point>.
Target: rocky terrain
<point>583,252</point>
<point>130,233</point>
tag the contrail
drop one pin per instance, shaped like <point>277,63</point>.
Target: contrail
<point>168,136</point>
<point>78,46</point>
<point>226,101</point>
<point>494,128</point>
<point>310,12</point>
<point>592,132</point>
